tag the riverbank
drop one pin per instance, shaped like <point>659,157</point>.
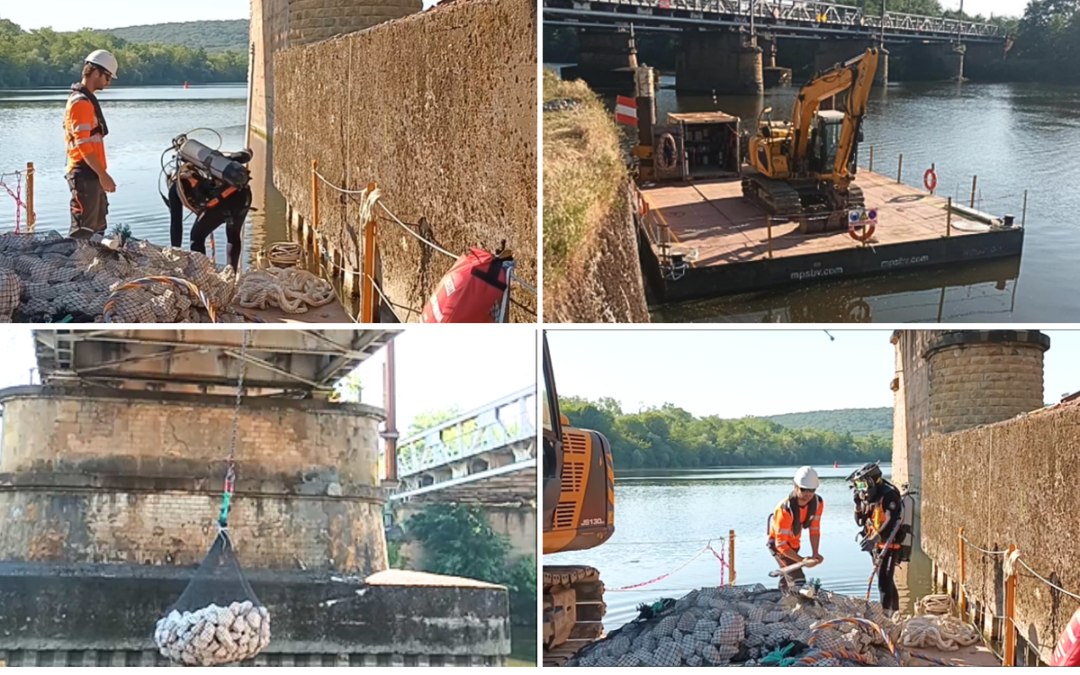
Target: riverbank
<point>591,268</point>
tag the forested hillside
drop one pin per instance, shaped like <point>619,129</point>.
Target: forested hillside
<point>670,437</point>
<point>45,58</point>
<point>213,36</point>
<point>854,421</point>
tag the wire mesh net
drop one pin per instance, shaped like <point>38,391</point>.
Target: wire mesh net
<point>218,619</point>
<point>748,626</point>
<point>61,278</point>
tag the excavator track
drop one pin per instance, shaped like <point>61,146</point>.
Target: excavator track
<point>589,608</point>
<point>775,197</point>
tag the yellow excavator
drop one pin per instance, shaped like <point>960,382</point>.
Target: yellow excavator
<point>804,169</point>
<point>579,514</point>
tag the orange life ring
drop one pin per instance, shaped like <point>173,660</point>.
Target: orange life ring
<point>861,231</point>
<point>929,179</point>
<point>1067,653</point>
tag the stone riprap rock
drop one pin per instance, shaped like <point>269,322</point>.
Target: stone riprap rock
<point>214,635</point>
<point>741,625</point>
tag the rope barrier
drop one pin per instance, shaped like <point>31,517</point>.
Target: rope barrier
<point>414,233</point>
<point>389,302</point>
<point>110,304</point>
<point>1047,581</point>
<point>708,547</point>
<point>980,550</point>
<point>664,543</point>
<point>17,196</point>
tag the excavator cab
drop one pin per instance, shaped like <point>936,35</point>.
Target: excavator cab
<point>825,140</point>
<point>578,514</point>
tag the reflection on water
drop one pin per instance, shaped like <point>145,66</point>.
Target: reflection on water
<point>1014,137</point>
<point>142,123</point>
<point>664,518</point>
<point>983,292</point>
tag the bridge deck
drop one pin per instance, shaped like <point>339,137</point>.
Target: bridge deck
<point>730,235</point>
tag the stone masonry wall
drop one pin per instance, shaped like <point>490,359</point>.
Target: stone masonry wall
<point>68,431</point>
<point>177,528</point>
<point>1011,483</point>
<point>911,406</point>
<point>118,477</point>
<point>278,24</point>
<point>983,383</point>
<point>438,109</point>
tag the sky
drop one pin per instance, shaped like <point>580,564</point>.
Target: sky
<point>735,373</point>
<point>71,15</point>
<point>436,369</point>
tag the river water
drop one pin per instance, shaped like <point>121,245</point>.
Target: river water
<point>664,518</point>
<point>1014,137</point>
<point>142,123</point>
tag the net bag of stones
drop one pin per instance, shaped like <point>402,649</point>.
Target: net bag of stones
<point>218,619</point>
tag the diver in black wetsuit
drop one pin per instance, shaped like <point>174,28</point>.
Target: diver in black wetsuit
<point>214,203</point>
<point>878,505</point>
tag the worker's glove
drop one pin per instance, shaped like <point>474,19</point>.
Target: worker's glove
<point>870,543</point>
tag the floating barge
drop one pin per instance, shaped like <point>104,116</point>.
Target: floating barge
<point>703,239</point>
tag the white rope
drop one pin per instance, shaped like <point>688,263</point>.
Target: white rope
<point>980,550</point>
<point>417,235</point>
<point>292,290</point>
<point>1047,581</point>
<point>371,200</point>
<point>334,187</point>
<point>946,633</point>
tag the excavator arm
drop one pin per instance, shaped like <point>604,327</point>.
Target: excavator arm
<point>856,74</point>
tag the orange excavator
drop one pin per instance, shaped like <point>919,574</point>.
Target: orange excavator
<point>805,167</point>
<point>579,514</point>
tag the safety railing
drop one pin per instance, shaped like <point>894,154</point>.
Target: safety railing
<point>370,198</point>
<point>23,202</point>
<point>821,13</point>
<point>510,419</point>
<point>1010,560</point>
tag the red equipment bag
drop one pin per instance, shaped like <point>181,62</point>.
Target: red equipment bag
<point>469,291</point>
<point>1067,653</point>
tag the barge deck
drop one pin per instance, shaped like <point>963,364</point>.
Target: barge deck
<point>739,250</point>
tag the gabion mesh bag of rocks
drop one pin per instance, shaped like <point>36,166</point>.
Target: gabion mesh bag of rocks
<point>749,626</point>
<point>217,619</point>
<point>60,277</point>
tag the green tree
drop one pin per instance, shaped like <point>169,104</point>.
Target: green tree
<point>45,58</point>
<point>458,540</point>
<point>670,437</point>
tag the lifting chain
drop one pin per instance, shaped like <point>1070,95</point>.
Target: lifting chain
<point>230,472</point>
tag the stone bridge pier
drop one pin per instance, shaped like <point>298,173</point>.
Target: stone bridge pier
<point>981,58</point>
<point>773,75</point>
<point>930,61</point>
<point>725,61</point>
<point>832,51</point>
<point>606,60</point>
<point>108,499</point>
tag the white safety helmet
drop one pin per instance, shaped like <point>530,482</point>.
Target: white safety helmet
<point>807,478</point>
<point>105,60</point>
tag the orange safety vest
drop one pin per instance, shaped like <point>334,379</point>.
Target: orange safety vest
<point>83,131</point>
<point>877,521</point>
<point>785,531</point>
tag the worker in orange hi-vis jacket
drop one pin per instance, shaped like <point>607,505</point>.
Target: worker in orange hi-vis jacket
<point>84,133</point>
<point>801,510</point>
